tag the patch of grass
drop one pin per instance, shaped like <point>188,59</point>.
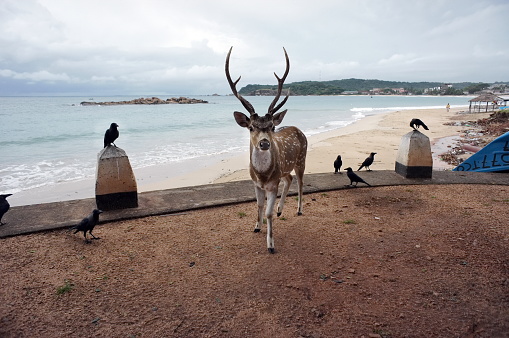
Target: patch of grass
<point>349,221</point>
<point>241,214</point>
<point>67,287</point>
<point>382,333</point>
<point>282,218</point>
<point>324,195</point>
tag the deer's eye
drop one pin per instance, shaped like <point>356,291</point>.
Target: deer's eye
<point>250,128</point>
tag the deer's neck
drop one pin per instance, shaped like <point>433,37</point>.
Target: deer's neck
<point>262,161</point>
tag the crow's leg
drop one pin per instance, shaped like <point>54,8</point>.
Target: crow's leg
<point>93,237</point>
<point>86,239</point>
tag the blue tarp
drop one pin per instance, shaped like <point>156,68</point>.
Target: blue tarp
<point>493,157</point>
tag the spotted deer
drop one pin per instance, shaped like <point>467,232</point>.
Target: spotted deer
<point>273,154</point>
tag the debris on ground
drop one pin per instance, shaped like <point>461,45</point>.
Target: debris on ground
<point>477,133</point>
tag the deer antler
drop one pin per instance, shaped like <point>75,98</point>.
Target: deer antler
<point>280,82</point>
<point>233,85</point>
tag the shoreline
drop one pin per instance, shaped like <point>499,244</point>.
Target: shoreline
<point>380,133</point>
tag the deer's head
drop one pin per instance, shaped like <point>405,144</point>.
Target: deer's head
<point>260,127</point>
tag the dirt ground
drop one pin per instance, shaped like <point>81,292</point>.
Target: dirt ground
<point>408,261</point>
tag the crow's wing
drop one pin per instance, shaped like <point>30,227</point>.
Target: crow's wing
<point>84,224</point>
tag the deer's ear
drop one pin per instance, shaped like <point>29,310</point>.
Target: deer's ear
<point>278,118</point>
<point>242,120</point>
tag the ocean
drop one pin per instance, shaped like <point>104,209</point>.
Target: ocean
<point>46,141</point>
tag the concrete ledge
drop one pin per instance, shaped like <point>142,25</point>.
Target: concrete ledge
<point>50,216</point>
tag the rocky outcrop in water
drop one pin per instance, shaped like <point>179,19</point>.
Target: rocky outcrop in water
<point>151,100</point>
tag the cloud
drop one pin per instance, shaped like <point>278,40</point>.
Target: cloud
<point>399,59</point>
<point>106,47</point>
<point>38,76</point>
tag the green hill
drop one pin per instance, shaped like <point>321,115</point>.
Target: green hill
<point>337,87</point>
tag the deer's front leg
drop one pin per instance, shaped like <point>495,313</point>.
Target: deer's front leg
<point>260,200</point>
<point>271,201</point>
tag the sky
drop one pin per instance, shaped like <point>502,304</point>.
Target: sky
<point>156,47</point>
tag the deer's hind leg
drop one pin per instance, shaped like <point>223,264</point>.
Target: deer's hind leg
<point>287,181</point>
<point>300,185</point>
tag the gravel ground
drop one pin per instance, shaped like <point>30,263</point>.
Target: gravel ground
<point>408,261</point>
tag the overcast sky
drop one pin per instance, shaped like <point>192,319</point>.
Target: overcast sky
<point>150,47</point>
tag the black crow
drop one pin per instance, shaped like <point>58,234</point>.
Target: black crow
<point>111,135</point>
<point>4,206</point>
<point>417,123</point>
<point>88,224</point>
<point>337,165</point>
<point>354,177</point>
<point>367,162</point>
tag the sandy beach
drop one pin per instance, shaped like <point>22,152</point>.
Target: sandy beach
<point>380,133</point>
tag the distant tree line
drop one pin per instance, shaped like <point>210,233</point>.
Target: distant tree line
<point>337,87</point>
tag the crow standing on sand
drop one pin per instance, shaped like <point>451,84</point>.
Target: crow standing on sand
<point>417,123</point>
<point>354,177</point>
<point>88,224</point>
<point>4,206</point>
<point>367,162</point>
<point>111,135</point>
<point>337,165</point>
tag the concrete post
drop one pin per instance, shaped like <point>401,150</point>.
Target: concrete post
<point>414,158</point>
<point>115,186</point>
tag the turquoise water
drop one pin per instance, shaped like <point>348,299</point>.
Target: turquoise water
<point>48,140</point>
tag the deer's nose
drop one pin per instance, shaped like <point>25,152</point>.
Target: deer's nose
<point>264,144</point>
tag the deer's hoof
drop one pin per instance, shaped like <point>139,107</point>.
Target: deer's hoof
<point>271,250</point>
<point>257,230</point>
<point>299,213</point>
<point>279,214</point>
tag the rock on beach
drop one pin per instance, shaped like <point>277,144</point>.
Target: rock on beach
<point>151,100</point>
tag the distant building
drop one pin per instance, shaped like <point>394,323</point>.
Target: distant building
<point>444,86</point>
<point>399,90</point>
<point>387,91</point>
<point>268,92</point>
